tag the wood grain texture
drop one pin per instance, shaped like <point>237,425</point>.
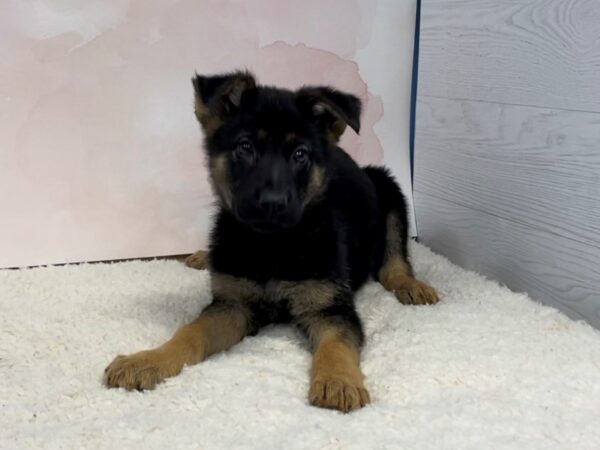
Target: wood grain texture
<point>528,52</point>
<point>552,269</point>
<point>535,166</point>
<point>507,145</point>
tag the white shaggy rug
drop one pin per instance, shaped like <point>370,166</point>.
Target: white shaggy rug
<point>484,369</point>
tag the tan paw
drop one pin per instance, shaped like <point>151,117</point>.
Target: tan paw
<point>198,260</point>
<point>143,370</point>
<point>335,393</point>
<point>416,292</point>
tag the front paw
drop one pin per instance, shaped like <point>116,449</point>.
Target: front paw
<point>143,370</point>
<point>335,393</point>
<point>416,292</point>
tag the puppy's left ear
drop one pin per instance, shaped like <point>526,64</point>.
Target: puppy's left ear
<point>331,109</point>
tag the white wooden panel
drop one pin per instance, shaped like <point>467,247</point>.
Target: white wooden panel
<point>535,166</point>
<point>527,52</point>
<point>507,151</point>
<point>553,269</point>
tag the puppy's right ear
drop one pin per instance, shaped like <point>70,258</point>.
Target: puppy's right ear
<point>218,96</point>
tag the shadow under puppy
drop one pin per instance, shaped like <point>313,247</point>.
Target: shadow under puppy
<point>300,227</point>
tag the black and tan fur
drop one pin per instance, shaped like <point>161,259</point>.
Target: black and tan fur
<point>300,228</point>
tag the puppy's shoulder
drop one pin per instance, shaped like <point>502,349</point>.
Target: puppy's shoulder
<point>348,179</point>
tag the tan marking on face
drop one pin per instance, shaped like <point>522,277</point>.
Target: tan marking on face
<point>337,381</point>
<point>290,137</point>
<point>220,180</point>
<point>316,185</point>
<point>261,134</point>
<point>235,289</point>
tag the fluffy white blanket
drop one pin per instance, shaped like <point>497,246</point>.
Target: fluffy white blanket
<point>485,368</point>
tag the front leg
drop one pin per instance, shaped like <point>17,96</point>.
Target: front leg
<point>336,378</point>
<point>326,313</point>
<point>220,326</point>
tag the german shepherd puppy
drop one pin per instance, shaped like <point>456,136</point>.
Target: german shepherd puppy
<point>300,227</point>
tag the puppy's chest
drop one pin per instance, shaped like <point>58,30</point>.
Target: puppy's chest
<point>286,260</point>
<point>270,306</point>
<point>294,297</point>
<point>275,300</point>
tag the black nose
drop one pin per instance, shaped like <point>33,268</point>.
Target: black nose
<point>273,202</point>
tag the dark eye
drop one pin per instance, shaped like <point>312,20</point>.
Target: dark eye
<point>245,147</point>
<point>300,155</point>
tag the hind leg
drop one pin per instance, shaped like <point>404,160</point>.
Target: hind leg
<point>198,260</point>
<point>396,274</point>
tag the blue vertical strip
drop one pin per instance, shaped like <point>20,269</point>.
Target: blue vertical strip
<point>413,94</point>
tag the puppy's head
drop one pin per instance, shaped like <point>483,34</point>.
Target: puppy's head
<point>268,148</point>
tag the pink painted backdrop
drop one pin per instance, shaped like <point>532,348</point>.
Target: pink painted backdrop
<point>100,153</point>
